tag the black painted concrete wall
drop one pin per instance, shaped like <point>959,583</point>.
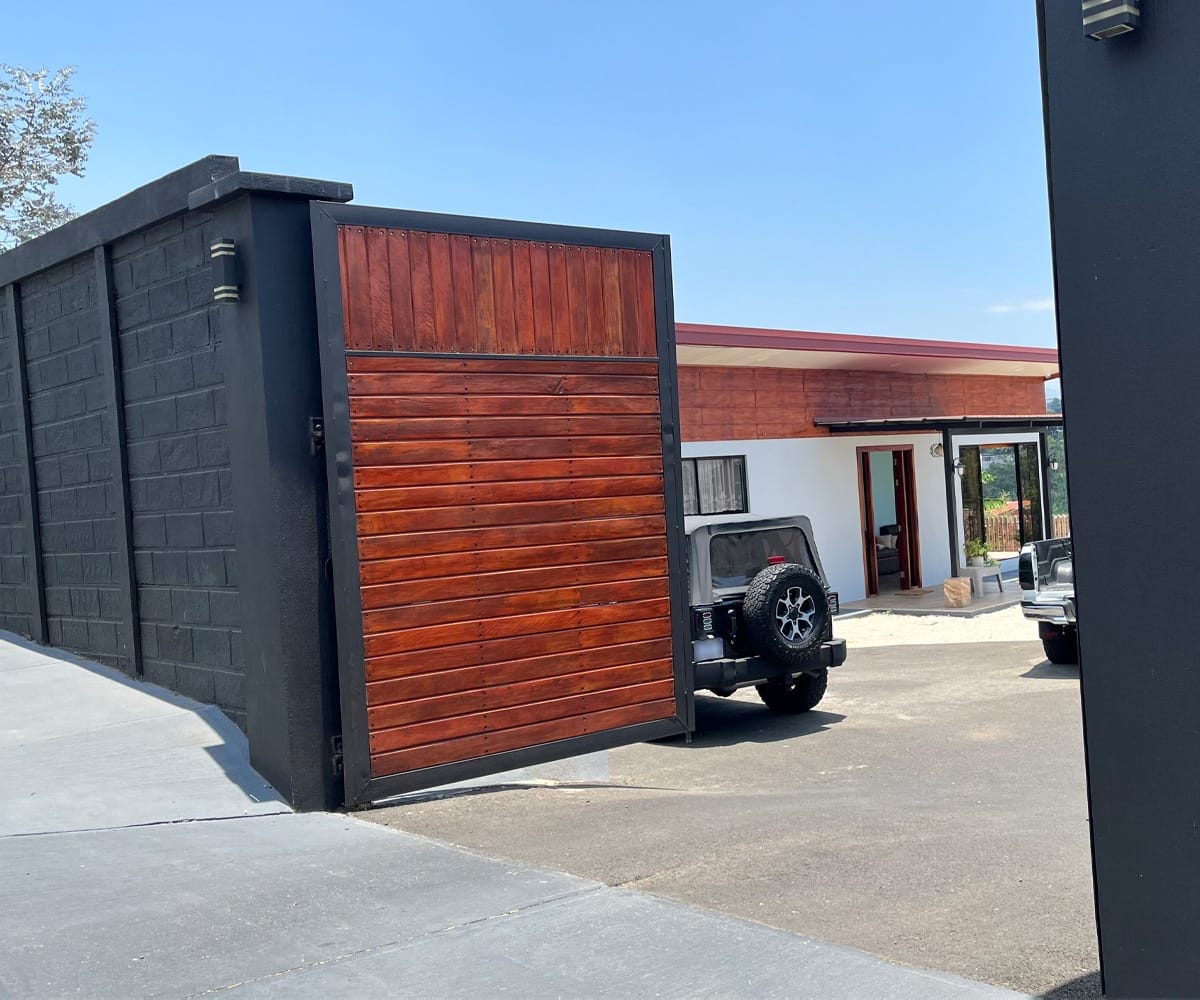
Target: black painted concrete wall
<point>72,459</point>
<point>180,486</point>
<point>1123,145</point>
<point>16,552</point>
<point>126,495</point>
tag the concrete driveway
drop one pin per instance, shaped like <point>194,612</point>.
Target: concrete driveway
<point>141,855</point>
<point>932,811</point>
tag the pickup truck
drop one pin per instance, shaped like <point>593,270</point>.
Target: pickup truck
<point>1047,576</point>
<point>761,609</point>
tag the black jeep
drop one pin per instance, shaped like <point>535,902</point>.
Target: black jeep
<point>762,610</point>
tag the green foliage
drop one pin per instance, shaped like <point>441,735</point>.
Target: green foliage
<point>975,547</point>
<point>44,136</point>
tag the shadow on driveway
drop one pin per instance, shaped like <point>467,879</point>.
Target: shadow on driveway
<point>722,722</point>
<point>1053,671</point>
<point>1082,988</point>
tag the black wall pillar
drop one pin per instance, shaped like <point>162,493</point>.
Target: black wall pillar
<point>269,340</point>
<point>1123,150</point>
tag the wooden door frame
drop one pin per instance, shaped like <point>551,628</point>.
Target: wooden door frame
<point>866,521</point>
<point>908,467</point>
<point>910,529</point>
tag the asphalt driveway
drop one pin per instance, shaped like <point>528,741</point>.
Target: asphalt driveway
<point>931,811</point>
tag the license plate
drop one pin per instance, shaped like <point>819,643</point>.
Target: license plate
<point>834,606</point>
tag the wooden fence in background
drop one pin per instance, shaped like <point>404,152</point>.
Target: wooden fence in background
<point>1003,534</point>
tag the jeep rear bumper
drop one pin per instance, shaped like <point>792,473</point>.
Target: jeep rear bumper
<point>736,673</point>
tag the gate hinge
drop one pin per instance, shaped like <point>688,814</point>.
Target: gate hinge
<point>316,435</point>
<point>335,744</point>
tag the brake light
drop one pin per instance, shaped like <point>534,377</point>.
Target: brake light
<point>776,560</point>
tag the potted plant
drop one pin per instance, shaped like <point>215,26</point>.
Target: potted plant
<point>977,552</point>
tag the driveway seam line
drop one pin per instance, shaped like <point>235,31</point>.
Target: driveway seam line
<point>399,945</point>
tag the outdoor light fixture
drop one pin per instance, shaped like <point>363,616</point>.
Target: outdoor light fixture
<point>1054,465</point>
<point>959,467</point>
<point>225,271</point>
<point>936,450</point>
<point>1108,18</point>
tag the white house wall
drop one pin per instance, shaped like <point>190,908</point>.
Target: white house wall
<point>818,477</point>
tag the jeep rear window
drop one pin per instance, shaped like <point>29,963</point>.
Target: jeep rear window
<point>739,556</point>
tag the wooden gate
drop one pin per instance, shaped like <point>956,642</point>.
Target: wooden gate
<point>505,517</point>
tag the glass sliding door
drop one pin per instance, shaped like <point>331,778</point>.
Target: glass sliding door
<point>1029,493</point>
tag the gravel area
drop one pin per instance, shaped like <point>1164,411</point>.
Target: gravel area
<point>882,628</point>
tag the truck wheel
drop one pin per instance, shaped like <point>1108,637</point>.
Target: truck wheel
<point>805,691</point>
<point>1062,646</point>
<point>786,613</point>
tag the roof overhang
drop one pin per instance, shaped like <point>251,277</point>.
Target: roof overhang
<point>702,344</point>
<point>936,425</point>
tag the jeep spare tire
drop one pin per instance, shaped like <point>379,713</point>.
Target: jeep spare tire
<point>786,612</point>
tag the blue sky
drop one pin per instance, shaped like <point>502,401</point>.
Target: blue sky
<point>855,168</point>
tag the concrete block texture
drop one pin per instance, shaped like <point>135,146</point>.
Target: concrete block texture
<point>176,454</point>
<point>172,378</point>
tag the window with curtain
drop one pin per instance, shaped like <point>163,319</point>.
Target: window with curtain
<point>715,485</point>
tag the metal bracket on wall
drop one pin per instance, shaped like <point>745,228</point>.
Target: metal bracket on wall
<point>335,744</point>
<point>316,436</point>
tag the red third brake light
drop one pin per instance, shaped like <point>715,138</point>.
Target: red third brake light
<point>775,560</point>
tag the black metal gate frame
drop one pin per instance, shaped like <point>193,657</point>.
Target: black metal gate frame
<point>360,787</point>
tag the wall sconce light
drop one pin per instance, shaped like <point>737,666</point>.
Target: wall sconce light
<point>936,450</point>
<point>1054,465</point>
<point>959,467</point>
<point>225,271</point>
<point>1108,18</point>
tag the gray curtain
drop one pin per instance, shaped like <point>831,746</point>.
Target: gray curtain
<point>722,485</point>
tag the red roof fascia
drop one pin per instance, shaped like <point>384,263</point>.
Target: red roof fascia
<point>704,335</point>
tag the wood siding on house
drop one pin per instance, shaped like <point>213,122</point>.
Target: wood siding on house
<point>735,403</point>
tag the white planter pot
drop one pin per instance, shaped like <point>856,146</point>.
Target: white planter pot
<point>977,561</point>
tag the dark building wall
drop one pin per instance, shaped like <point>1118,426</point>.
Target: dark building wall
<point>16,553</point>
<point>72,452</point>
<point>1123,147</point>
<point>180,486</point>
<point>125,497</point>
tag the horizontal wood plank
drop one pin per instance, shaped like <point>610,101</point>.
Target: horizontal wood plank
<point>529,602</point>
<point>527,491</point>
<point>513,365</point>
<point>489,449</point>
<point>448,751</point>
<point>449,473</point>
<point>466,428</point>
<point>604,646</point>
<point>483,384</point>
<point>512,405</point>
<point>496,560</point>
<point>461,696</point>
<point>404,737</point>
<point>471,585</point>
<point>529,626</point>
<point>419,543</point>
<point>483,515</point>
